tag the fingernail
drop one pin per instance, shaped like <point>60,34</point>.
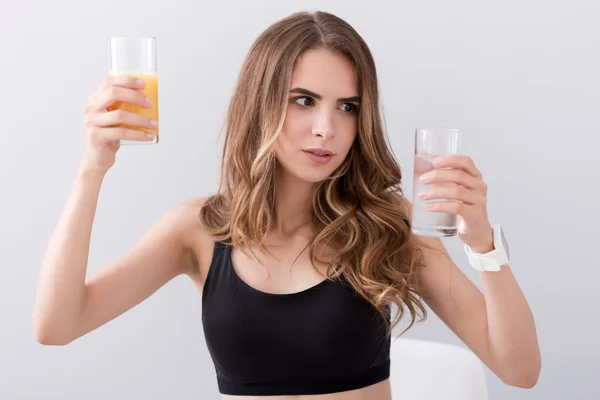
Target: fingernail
<point>153,123</point>
<point>148,101</point>
<point>421,195</point>
<point>150,136</point>
<point>423,178</point>
<point>140,82</point>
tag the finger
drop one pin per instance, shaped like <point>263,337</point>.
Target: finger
<point>422,166</point>
<point>457,161</point>
<point>451,192</point>
<point>116,117</point>
<point>466,211</point>
<point>126,81</point>
<point>457,176</point>
<point>115,94</point>
<point>106,135</point>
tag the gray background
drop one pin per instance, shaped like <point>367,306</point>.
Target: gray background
<point>521,79</point>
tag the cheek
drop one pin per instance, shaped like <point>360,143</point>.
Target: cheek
<point>285,146</point>
<point>348,133</point>
<point>282,144</point>
<point>292,133</point>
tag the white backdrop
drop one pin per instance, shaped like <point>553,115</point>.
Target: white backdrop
<point>520,78</point>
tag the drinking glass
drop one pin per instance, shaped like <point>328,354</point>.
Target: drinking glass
<point>136,57</point>
<point>430,144</point>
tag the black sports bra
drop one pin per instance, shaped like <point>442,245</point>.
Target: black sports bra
<point>324,339</point>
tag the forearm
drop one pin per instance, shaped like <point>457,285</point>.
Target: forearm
<point>61,293</point>
<point>511,328</point>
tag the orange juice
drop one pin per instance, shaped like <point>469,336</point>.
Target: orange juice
<point>150,91</point>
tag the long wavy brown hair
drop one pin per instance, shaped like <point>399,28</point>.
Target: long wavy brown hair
<point>359,211</point>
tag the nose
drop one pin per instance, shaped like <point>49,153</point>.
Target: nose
<point>323,125</point>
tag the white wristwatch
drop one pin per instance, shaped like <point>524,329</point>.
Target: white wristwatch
<point>493,260</point>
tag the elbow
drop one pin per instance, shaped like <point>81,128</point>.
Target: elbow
<point>47,338</point>
<point>47,335</point>
<point>524,379</point>
<point>521,372</point>
<point>525,382</point>
<point>53,329</point>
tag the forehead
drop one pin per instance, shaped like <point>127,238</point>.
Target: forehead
<point>326,73</point>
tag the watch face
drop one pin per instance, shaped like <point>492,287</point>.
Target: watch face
<point>504,243</point>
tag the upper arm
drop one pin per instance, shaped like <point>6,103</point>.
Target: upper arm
<point>159,256</point>
<point>452,296</point>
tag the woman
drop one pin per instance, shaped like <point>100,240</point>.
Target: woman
<point>306,248</point>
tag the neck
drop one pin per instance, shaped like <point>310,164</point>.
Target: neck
<point>293,204</point>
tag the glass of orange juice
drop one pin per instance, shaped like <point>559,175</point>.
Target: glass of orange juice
<point>137,57</point>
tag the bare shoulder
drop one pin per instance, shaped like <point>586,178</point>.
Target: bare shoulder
<point>197,241</point>
<point>182,225</point>
<point>172,246</point>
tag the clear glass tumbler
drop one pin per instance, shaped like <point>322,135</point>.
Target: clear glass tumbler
<point>430,144</point>
<point>136,57</point>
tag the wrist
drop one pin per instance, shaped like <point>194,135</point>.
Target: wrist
<point>85,173</point>
<point>484,243</point>
<point>484,256</point>
<point>483,248</point>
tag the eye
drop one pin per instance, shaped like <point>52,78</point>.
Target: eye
<point>349,108</point>
<point>303,101</point>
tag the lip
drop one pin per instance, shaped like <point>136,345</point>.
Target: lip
<point>320,151</point>
<point>319,159</point>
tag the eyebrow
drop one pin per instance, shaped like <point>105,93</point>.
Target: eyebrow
<point>354,99</point>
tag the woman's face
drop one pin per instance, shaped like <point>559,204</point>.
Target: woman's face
<point>322,112</point>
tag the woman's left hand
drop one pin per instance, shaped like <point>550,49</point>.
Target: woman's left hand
<point>456,178</point>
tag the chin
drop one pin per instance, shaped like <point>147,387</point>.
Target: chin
<point>309,175</point>
<point>304,171</point>
<point>314,177</point>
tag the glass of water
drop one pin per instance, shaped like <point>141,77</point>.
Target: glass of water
<point>429,145</point>
<point>136,56</point>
